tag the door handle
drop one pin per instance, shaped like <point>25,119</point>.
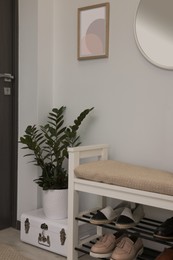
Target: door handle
<point>7,76</point>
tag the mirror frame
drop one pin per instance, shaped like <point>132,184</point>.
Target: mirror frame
<point>157,64</point>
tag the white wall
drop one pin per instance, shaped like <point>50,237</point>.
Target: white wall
<point>132,98</point>
<point>35,86</point>
<point>28,93</point>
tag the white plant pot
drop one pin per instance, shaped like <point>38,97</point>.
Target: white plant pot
<point>55,203</point>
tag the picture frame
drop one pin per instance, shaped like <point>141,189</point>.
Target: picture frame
<point>93,32</point>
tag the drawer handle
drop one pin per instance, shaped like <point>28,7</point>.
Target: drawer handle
<point>62,236</point>
<point>42,239</point>
<point>27,225</point>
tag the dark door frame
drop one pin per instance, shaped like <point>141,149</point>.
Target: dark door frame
<point>14,115</point>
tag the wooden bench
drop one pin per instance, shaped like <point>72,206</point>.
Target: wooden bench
<point>114,180</point>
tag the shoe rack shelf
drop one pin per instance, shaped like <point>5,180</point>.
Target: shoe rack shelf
<point>145,230</point>
<point>148,254</point>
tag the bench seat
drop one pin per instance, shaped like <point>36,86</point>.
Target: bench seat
<point>127,175</point>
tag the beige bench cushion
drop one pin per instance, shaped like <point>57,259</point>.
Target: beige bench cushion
<point>127,175</point>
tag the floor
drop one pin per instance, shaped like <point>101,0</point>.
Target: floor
<point>12,237</point>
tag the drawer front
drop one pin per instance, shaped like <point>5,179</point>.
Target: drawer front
<point>41,236</point>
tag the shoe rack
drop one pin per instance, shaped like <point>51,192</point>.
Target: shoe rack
<point>145,229</point>
<point>77,184</point>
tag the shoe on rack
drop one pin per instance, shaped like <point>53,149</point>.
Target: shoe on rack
<point>128,248</point>
<point>104,247</point>
<point>167,254</point>
<point>130,218</point>
<point>165,230</point>
<point>108,214</point>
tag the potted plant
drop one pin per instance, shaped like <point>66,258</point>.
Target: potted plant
<point>49,144</point>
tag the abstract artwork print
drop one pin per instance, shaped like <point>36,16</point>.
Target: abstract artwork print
<point>93,29</point>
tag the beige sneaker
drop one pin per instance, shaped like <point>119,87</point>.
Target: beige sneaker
<point>128,248</point>
<point>104,247</point>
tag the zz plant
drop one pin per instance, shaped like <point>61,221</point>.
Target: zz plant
<point>48,145</point>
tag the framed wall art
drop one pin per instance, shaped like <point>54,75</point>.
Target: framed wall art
<point>93,32</point>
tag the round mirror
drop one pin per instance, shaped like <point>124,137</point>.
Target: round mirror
<point>154,31</point>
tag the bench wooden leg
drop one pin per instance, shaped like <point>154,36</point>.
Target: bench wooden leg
<point>73,211</point>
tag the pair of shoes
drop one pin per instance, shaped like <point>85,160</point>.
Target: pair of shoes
<point>130,218</point>
<point>104,247</point>
<point>108,214</point>
<point>165,230</point>
<point>167,254</point>
<point>128,248</point>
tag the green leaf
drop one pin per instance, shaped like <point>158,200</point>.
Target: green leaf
<point>48,146</point>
